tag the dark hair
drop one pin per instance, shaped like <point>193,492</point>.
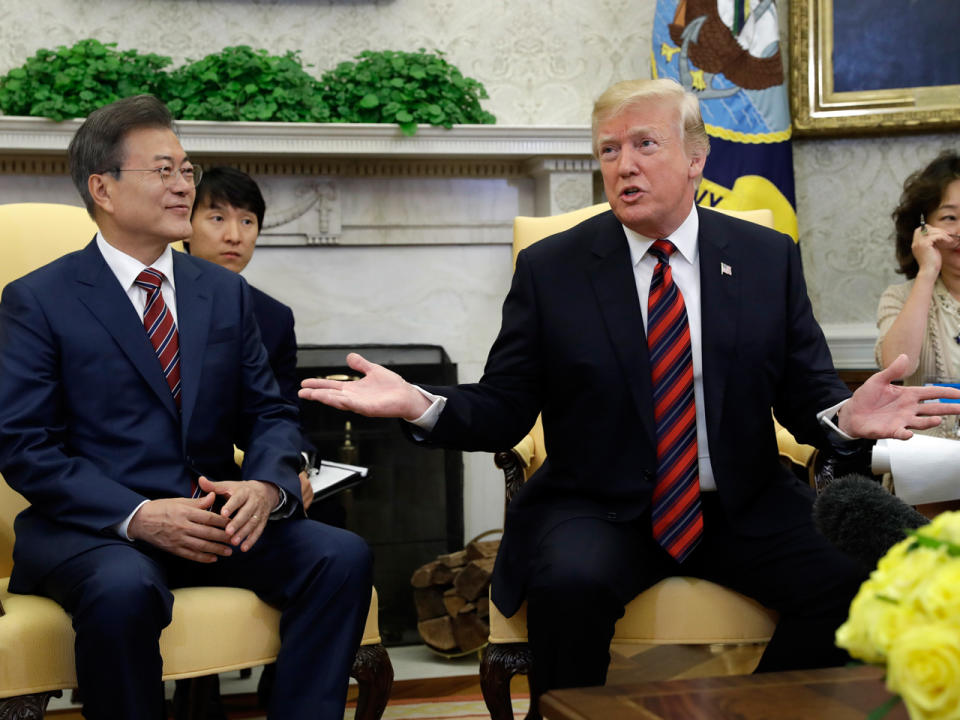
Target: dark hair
<point>922,193</point>
<point>97,147</point>
<point>233,187</point>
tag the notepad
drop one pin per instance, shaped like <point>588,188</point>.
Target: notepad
<point>333,477</point>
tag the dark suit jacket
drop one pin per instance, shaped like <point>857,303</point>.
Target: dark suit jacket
<point>88,428</point>
<point>275,321</point>
<point>572,346</point>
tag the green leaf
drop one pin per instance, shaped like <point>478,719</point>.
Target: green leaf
<point>370,100</point>
<point>926,541</point>
<point>881,711</point>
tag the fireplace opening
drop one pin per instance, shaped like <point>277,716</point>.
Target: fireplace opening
<point>409,508</point>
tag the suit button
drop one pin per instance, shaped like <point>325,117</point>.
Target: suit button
<point>611,516</point>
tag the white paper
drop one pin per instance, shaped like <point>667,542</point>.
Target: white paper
<point>330,473</point>
<point>924,469</point>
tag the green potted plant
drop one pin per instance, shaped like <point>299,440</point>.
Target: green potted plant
<point>405,88</point>
<point>239,83</point>
<point>73,81</point>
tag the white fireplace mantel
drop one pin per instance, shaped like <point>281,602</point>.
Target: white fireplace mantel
<point>28,135</point>
<point>557,158</point>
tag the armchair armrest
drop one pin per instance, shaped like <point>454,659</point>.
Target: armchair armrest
<point>514,475</point>
<point>520,462</point>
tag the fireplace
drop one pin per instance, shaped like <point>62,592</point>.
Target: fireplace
<point>409,508</point>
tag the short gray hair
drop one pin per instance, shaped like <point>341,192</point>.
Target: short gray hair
<point>97,147</point>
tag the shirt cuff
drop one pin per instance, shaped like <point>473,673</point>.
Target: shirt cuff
<point>428,420</point>
<point>827,418</point>
<point>278,510</point>
<point>880,457</point>
<point>121,527</point>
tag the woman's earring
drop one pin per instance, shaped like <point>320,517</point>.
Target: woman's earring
<point>923,224</point>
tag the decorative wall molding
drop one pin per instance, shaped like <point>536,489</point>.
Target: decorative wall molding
<point>851,345</point>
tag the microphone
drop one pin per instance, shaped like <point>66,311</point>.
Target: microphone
<point>862,520</point>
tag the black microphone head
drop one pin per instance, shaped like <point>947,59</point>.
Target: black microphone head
<point>863,520</point>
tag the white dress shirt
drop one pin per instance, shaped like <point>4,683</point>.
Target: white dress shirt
<point>685,267</point>
<point>126,269</point>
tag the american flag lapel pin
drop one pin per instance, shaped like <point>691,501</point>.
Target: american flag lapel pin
<point>726,269</point>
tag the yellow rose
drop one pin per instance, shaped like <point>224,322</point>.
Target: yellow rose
<point>924,668</point>
<point>939,597</point>
<point>914,569</point>
<point>873,626</point>
<point>904,566</point>
<point>945,526</point>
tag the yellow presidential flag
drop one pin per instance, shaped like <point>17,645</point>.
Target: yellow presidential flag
<point>728,53</point>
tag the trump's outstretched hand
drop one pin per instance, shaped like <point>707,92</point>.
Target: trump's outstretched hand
<point>379,393</point>
<point>879,409</point>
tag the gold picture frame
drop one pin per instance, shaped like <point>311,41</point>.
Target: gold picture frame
<point>819,110</point>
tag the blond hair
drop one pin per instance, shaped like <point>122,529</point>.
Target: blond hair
<point>632,93</point>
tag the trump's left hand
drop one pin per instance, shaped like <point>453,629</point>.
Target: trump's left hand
<point>249,504</point>
<point>879,409</point>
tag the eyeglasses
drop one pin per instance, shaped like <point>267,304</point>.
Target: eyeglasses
<point>168,175</point>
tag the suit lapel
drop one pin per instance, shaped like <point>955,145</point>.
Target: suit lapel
<point>193,315</point>
<point>99,291</point>
<point>611,274</point>
<point>720,277</point>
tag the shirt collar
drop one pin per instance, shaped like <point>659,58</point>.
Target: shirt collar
<point>126,267</point>
<point>684,239</point>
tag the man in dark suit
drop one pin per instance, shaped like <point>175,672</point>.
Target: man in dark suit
<point>127,375</point>
<point>655,366</point>
<point>226,220</point>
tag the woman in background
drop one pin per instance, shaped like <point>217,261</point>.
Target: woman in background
<point>921,317</point>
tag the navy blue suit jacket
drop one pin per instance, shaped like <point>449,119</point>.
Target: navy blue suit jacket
<point>88,427</point>
<point>275,321</point>
<point>572,346</point>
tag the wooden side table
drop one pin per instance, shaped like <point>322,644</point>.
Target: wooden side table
<point>834,693</point>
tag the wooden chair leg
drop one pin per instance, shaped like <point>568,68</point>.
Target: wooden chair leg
<point>203,692</point>
<point>27,707</point>
<point>500,662</point>
<point>373,672</point>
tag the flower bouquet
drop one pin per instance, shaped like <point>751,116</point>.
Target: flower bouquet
<point>906,616</point>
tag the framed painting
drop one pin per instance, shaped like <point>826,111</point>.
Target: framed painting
<point>874,66</point>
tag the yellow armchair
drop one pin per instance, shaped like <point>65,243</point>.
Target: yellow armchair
<point>36,635</point>
<point>677,610</point>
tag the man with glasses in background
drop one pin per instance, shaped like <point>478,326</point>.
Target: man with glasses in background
<point>127,375</point>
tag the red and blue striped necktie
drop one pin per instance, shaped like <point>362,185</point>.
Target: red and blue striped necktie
<point>161,329</point>
<point>676,515</point>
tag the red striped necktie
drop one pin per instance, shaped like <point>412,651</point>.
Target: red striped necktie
<point>676,516</point>
<point>161,329</point>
